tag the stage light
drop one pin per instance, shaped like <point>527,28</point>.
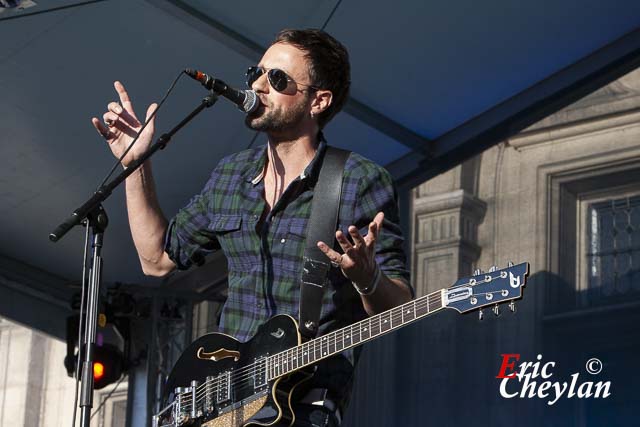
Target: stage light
<point>108,365</point>
<point>98,371</point>
<point>109,361</point>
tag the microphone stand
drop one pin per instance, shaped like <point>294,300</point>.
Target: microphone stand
<point>96,218</point>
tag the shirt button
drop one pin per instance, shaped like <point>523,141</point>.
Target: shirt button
<point>283,240</point>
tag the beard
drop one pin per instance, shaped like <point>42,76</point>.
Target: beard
<point>277,120</point>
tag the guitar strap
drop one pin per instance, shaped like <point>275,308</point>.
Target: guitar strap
<point>322,226</point>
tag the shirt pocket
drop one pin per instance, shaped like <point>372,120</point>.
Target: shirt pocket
<point>225,223</point>
<point>228,229</point>
<point>290,247</point>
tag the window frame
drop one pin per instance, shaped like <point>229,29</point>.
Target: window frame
<point>582,231</point>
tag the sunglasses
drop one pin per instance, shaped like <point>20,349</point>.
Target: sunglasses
<point>278,79</point>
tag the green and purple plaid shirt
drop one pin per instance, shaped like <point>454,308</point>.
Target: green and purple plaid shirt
<point>265,257</point>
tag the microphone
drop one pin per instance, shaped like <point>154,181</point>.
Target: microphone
<point>246,100</point>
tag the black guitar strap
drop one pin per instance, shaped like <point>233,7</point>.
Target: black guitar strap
<point>322,226</point>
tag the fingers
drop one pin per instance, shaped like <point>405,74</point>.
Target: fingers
<point>374,228</point>
<point>120,117</point>
<point>110,119</point>
<point>344,243</point>
<point>114,125</point>
<point>102,129</point>
<point>122,113</point>
<point>152,108</point>
<point>358,240</point>
<point>372,235</point>
<point>150,117</point>
<point>334,257</point>
<point>124,98</point>
<point>124,128</point>
<point>359,252</point>
<point>379,219</point>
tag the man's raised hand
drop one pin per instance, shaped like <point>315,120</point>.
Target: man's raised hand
<point>357,261</point>
<point>121,126</point>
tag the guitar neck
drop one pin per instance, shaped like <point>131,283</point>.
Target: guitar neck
<point>353,335</point>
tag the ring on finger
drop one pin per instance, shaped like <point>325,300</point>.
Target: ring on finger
<point>336,264</point>
<point>109,122</point>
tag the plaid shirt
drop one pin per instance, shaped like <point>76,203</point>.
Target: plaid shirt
<point>264,255</point>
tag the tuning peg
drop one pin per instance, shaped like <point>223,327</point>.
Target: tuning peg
<point>480,314</point>
<point>510,264</point>
<point>512,306</point>
<point>477,272</point>
<point>492,269</point>
<point>496,310</point>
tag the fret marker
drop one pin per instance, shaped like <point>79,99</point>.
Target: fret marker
<point>325,353</point>
<point>305,353</point>
<point>385,321</point>
<point>365,329</point>
<point>347,336</point>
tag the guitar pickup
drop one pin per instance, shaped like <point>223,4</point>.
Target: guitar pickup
<point>260,374</point>
<point>223,389</point>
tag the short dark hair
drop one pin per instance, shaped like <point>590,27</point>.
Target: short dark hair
<point>329,67</point>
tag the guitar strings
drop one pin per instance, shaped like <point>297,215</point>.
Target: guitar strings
<point>239,383</point>
<point>238,379</point>
<point>396,315</point>
<point>299,352</point>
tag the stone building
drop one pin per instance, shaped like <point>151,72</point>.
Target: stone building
<point>563,195</point>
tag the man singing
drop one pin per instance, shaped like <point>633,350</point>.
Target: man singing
<point>256,207</point>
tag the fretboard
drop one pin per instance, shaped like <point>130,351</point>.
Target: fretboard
<point>353,335</point>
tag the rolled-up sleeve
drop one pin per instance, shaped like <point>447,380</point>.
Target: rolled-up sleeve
<point>377,193</point>
<point>189,238</point>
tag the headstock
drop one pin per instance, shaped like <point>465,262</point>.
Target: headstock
<point>485,289</point>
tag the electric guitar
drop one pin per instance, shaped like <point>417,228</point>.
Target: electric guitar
<point>221,382</point>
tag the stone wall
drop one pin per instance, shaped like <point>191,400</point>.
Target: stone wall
<point>523,200</point>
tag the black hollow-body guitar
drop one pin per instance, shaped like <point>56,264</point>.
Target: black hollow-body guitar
<point>219,381</point>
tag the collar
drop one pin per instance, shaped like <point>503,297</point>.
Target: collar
<point>254,173</point>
